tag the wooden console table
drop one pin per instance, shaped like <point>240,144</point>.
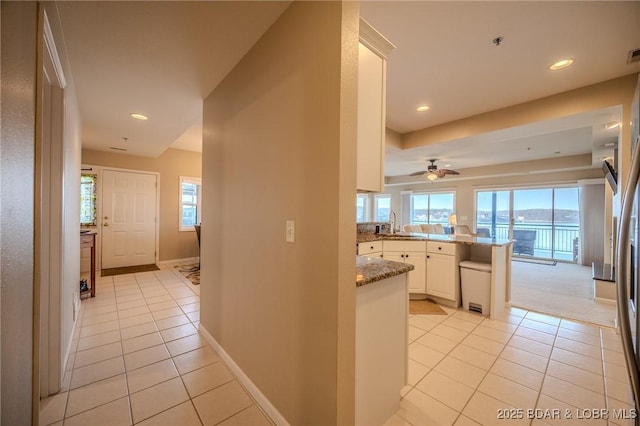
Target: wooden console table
<point>88,240</point>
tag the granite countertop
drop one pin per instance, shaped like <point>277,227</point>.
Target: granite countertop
<point>414,236</point>
<point>370,269</point>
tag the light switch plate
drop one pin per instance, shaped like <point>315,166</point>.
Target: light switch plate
<point>290,235</point>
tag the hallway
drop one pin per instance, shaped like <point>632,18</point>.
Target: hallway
<point>137,358</point>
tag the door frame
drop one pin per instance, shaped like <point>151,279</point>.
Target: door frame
<point>49,220</point>
<point>99,200</point>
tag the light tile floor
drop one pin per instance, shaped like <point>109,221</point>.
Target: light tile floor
<point>525,367</point>
<point>137,358</point>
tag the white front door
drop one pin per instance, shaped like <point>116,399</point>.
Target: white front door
<point>128,218</point>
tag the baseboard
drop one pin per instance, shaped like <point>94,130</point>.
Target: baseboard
<point>262,400</point>
<point>177,261</point>
<point>603,300</point>
<point>77,307</point>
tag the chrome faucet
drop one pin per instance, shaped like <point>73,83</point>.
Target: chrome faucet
<point>392,222</point>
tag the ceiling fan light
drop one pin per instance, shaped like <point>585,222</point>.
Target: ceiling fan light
<point>432,176</point>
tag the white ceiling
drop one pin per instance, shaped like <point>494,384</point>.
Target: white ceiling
<point>163,58</point>
<point>157,58</point>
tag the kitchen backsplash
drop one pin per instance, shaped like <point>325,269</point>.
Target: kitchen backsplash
<point>371,227</point>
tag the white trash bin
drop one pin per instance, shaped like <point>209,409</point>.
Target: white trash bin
<point>475,280</point>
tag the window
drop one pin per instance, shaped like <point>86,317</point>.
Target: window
<point>432,207</point>
<point>362,208</point>
<point>381,207</point>
<point>190,203</point>
<point>88,200</point>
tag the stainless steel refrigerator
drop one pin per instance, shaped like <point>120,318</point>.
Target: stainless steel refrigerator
<point>627,273</point>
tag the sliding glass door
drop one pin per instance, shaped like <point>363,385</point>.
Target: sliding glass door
<point>544,221</point>
<point>493,213</point>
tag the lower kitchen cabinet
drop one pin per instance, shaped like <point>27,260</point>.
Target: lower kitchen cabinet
<point>443,273</point>
<point>413,252</point>
<point>370,249</point>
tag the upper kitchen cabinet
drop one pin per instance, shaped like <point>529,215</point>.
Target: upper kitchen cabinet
<point>372,71</point>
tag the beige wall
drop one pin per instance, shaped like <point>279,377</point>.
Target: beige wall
<point>19,27</point>
<point>20,386</point>
<point>172,164</point>
<point>279,144</point>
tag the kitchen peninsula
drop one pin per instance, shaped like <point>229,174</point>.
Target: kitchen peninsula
<point>381,338</point>
<point>436,258</point>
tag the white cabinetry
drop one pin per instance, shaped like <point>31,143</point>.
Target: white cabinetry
<point>414,253</point>
<point>443,274</point>
<point>370,249</point>
<point>381,365</point>
<point>372,68</point>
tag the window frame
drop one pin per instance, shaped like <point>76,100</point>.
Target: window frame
<point>365,207</point>
<point>376,199</point>
<point>429,194</point>
<point>181,203</point>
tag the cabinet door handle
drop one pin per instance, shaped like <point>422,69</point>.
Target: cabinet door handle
<point>428,257</point>
<point>406,255</point>
<point>371,247</point>
<point>439,248</point>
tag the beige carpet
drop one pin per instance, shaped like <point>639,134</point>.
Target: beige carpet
<point>564,290</point>
<point>425,306</point>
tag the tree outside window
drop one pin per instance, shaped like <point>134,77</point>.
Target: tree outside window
<point>88,199</point>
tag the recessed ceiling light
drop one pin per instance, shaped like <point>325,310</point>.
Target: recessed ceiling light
<point>447,165</point>
<point>612,125</point>
<point>610,144</point>
<point>138,116</point>
<point>561,64</point>
<point>423,108</point>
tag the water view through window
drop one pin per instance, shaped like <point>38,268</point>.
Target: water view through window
<point>432,208</point>
<point>545,221</point>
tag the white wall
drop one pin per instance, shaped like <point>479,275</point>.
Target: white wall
<point>71,220</point>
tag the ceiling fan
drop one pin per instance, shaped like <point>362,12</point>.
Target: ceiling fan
<point>434,172</point>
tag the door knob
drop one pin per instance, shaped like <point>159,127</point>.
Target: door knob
<point>105,224</point>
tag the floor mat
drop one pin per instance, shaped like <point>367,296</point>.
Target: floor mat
<point>128,270</point>
<point>425,306</point>
<point>191,271</point>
